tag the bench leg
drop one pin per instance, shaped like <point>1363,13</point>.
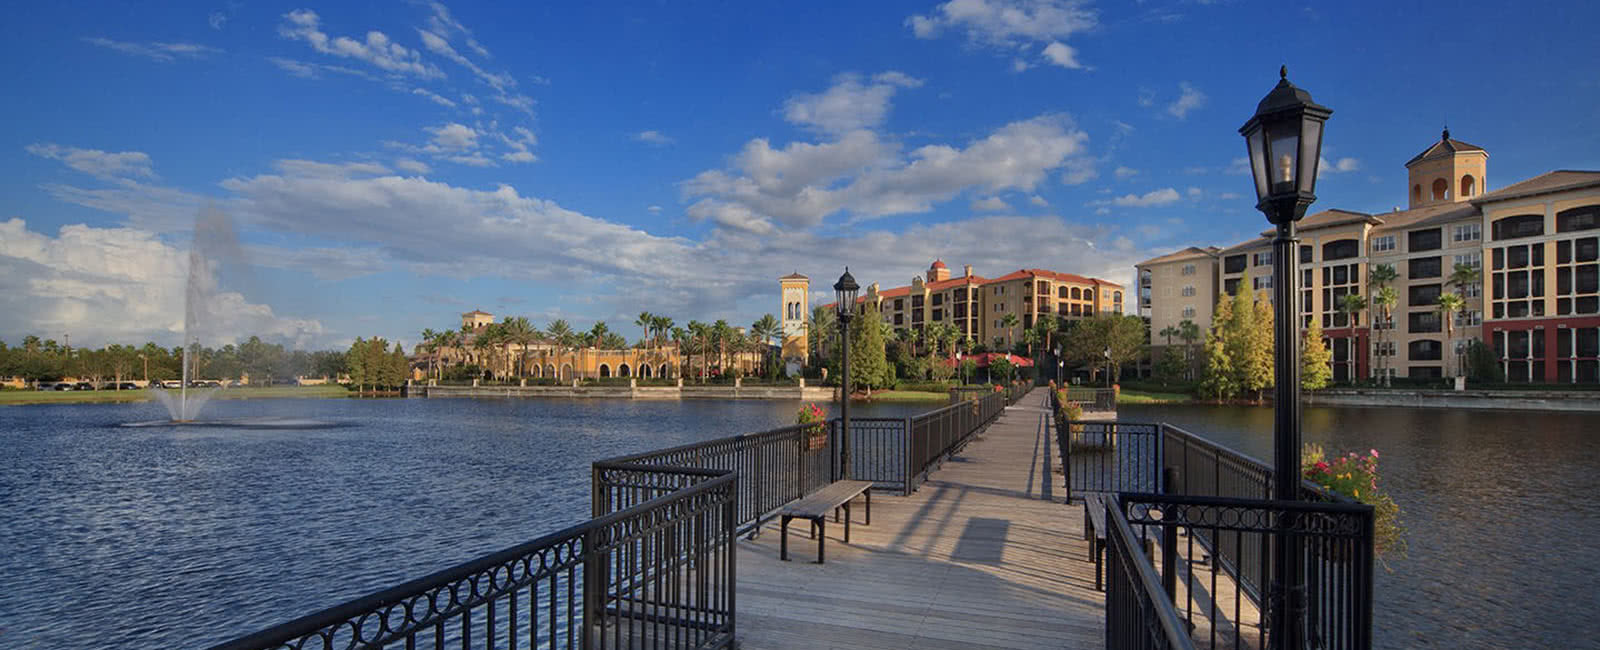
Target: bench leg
<point>1099,561</point>
<point>869,507</point>
<point>822,536</point>
<point>836,515</point>
<point>783,539</point>
<point>847,522</point>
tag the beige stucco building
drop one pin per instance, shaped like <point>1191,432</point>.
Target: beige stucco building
<point>1534,242</point>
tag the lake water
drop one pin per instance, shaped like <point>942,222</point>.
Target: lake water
<point>1500,506</point>
<point>143,538</point>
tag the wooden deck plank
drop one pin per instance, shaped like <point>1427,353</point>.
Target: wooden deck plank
<point>984,555</point>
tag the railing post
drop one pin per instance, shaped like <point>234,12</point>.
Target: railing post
<point>908,438</point>
<point>592,586</point>
<point>1169,554</point>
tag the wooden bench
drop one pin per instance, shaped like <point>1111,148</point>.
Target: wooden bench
<point>1094,532</point>
<point>815,507</point>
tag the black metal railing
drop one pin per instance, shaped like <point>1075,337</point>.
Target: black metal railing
<point>1109,457</point>
<point>1139,612</point>
<point>660,570</point>
<point>1337,549</point>
<point>1091,399</point>
<point>937,435</point>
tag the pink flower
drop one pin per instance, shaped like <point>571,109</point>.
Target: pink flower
<point>1374,452</point>
<point>1322,466</point>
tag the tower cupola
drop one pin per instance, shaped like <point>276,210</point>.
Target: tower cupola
<point>1447,171</point>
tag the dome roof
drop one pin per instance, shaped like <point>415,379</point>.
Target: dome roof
<point>938,264</point>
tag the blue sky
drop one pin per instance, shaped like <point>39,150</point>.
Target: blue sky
<point>387,166</point>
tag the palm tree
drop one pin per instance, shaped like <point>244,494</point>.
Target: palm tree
<point>1029,338</point>
<point>700,334</point>
<point>645,321</point>
<point>1448,305</point>
<point>1189,331</point>
<point>521,332</point>
<point>1351,306</point>
<point>430,342</point>
<point>1009,322</point>
<point>824,326</point>
<point>663,325</point>
<point>1378,279</point>
<point>1385,299</point>
<point>1463,275</point>
<point>1169,332</point>
<point>721,333</point>
<point>764,330</point>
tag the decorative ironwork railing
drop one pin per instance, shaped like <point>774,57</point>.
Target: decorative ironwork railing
<point>1091,399</point>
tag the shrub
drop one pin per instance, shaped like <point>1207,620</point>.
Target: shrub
<point>1356,476</point>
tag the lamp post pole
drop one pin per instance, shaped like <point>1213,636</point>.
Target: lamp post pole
<point>1284,139</point>
<point>845,293</point>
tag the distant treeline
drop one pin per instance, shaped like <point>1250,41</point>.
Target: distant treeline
<point>37,360</point>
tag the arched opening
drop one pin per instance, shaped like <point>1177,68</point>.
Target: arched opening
<point>666,371</point>
<point>1077,294</point>
<point>566,372</point>
<point>534,371</point>
<point>1467,186</point>
<point>550,371</point>
<point>605,370</point>
<point>644,370</point>
<point>623,370</point>
<point>1416,193</point>
<point>1441,189</point>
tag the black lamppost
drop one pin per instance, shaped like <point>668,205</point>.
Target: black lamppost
<point>845,293</point>
<point>1285,142</point>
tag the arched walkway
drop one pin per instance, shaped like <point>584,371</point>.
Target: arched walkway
<point>623,370</point>
<point>644,370</point>
<point>550,371</point>
<point>566,372</point>
<point>666,371</point>
<point>605,370</point>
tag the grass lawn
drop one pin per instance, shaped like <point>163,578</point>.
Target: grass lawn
<point>908,396</point>
<point>15,397</point>
<point>1148,397</point>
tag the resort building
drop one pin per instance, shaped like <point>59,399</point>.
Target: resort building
<point>1534,244</point>
<point>795,296</point>
<point>977,306</point>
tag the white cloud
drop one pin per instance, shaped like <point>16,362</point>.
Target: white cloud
<point>102,164</point>
<point>1238,166</point>
<point>991,204</point>
<point>433,97</point>
<point>454,137</point>
<point>315,169</point>
<point>804,183</point>
<point>1189,98</point>
<point>1338,167</point>
<point>1194,193</point>
<point>850,104</point>
<point>1080,171</point>
<point>412,165</point>
<point>1038,201</point>
<point>1063,55</point>
<point>653,137</point>
<point>1227,196</point>
<point>1153,198</point>
<point>377,50</point>
<point>441,46</point>
<point>216,19</point>
<point>121,285</point>
<point>164,52</point>
<point>1126,172</point>
<point>654,209</point>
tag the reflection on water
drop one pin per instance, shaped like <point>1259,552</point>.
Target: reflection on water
<point>114,537</point>
<point>1501,509</point>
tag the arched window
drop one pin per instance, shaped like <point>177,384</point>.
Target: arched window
<point>1467,186</point>
<point>644,370</point>
<point>665,371</point>
<point>1441,189</point>
<point>605,370</point>
<point>550,371</point>
<point>622,370</point>
<point>1416,193</point>
<point>566,372</point>
<point>1077,294</point>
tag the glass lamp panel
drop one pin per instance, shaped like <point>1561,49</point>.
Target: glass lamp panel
<point>1256,143</point>
<point>1310,153</point>
<point>1283,149</point>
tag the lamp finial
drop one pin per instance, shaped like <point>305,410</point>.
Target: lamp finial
<point>1283,72</point>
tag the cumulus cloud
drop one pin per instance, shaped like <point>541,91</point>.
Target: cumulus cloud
<point>1012,26</point>
<point>101,164</point>
<point>851,103</point>
<point>377,49</point>
<point>1126,172</point>
<point>163,52</point>
<point>803,183</point>
<point>1038,201</point>
<point>1340,166</point>
<point>121,285</point>
<point>1189,98</point>
<point>412,165</point>
<point>653,137</point>
<point>990,204</point>
<point>1153,198</point>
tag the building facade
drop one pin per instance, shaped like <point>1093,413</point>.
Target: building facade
<point>794,292</point>
<point>977,306</point>
<point>1533,245</point>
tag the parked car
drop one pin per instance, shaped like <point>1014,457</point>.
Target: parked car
<point>83,385</point>
<point>45,385</point>
<point>127,385</point>
<point>172,383</point>
<point>64,386</point>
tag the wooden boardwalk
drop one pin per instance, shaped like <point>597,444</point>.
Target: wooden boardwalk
<point>984,555</point>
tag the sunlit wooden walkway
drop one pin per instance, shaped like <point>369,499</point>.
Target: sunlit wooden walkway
<point>985,555</point>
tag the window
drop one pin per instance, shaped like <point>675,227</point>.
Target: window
<point>1473,259</point>
<point>1000,290</point>
<point>1576,219</point>
<point>1468,232</point>
<point>1578,355</point>
<point>1441,189</point>
<point>1578,276</point>
<point>1383,244</point>
<point>1188,312</point>
<point>999,307</point>
<point>1425,350</point>
<point>1061,292</point>
<point>1416,193</point>
<point>938,299</point>
<point>960,294</point>
<point>1423,322</point>
<point>1230,287</point>
<point>1061,307</point>
<point>1523,278</point>
<point>1116,296</point>
<point>1188,292</point>
<point>1305,254</point>
<point>1044,287</point>
<point>1424,240</point>
<point>960,310</point>
<point>1188,269</point>
<point>1261,282</point>
<point>1342,249</point>
<point>1423,267</point>
<point>899,304</point>
<point>1262,259</point>
<point>1424,372</point>
<point>916,302</point>
<point>1233,264</point>
<point>1077,294</point>
<point>1526,225</point>
<point>1469,318</point>
<point>1423,295</point>
<point>1466,186</point>
<point>899,319</point>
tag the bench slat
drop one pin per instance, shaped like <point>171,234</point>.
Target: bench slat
<point>819,503</point>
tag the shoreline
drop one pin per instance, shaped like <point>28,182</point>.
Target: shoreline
<point>37,397</point>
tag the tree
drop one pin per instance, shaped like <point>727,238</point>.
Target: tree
<point>1217,379</point>
<point>1169,332</point>
<point>1464,275</point>
<point>1385,298</point>
<point>1009,322</point>
<point>765,329</point>
<point>1448,305</point>
<point>1259,371</point>
<point>1351,305</point>
<point>967,367</point>
<point>1001,369</point>
<point>646,322</point>
<point>401,366</point>
<point>1105,340</point>
<point>1316,370</point>
<point>1482,364</point>
<point>869,363</point>
<point>1172,366</point>
<point>1190,332</point>
<point>357,361</point>
<point>700,335</point>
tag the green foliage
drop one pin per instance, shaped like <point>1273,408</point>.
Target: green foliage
<point>968,368</point>
<point>1001,369</point>
<point>1217,379</point>
<point>1482,363</point>
<point>1316,360</point>
<point>1257,374</point>
<point>1173,366</point>
<point>1356,476</point>
<point>869,363</point>
<point>1106,340</point>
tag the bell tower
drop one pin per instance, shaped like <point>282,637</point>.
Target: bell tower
<point>1448,171</point>
<point>795,294</point>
